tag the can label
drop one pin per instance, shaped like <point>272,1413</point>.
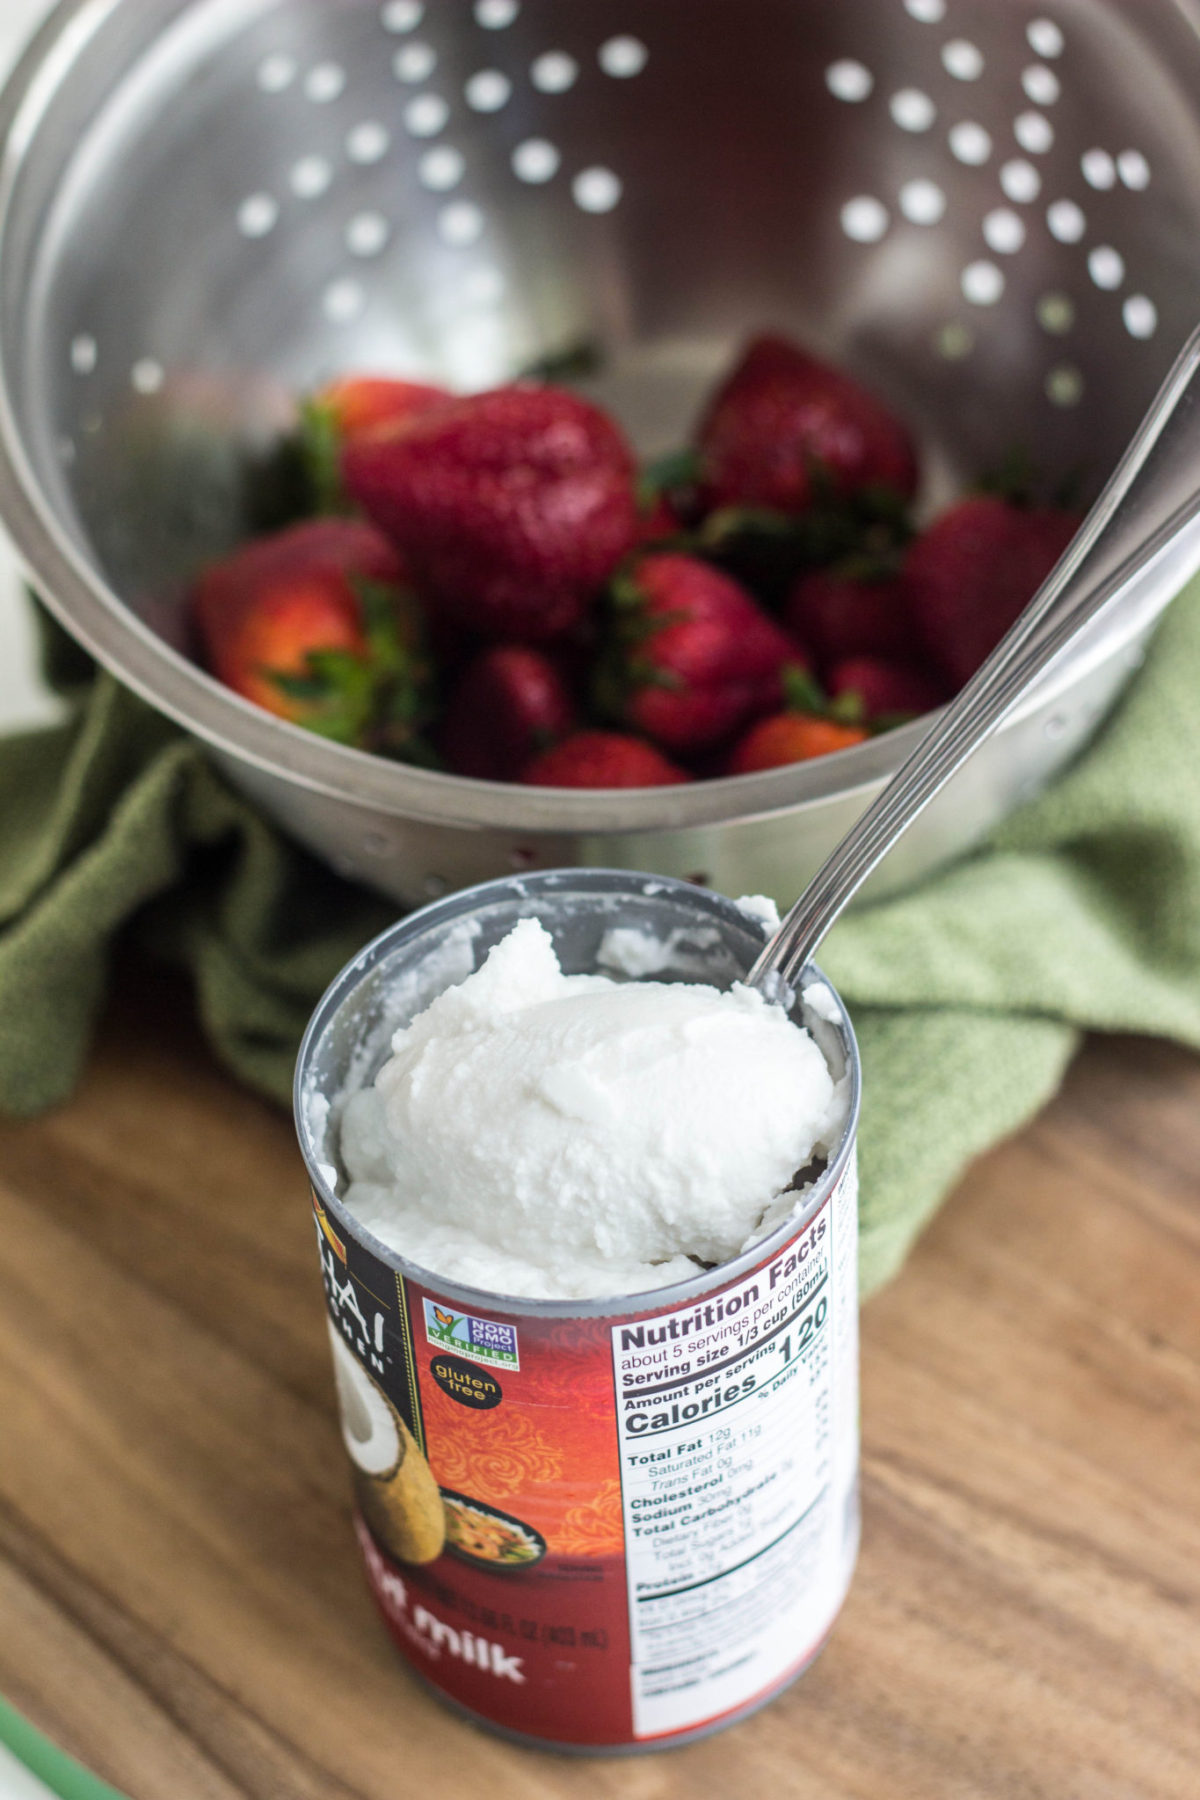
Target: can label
<point>612,1530</point>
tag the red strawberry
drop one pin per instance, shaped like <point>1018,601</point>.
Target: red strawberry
<point>790,737</point>
<point>510,704</point>
<point>271,648</point>
<point>313,625</point>
<point>694,657</point>
<point>972,574</point>
<point>344,410</point>
<point>340,548</point>
<point>603,759</point>
<point>658,521</point>
<point>784,427</point>
<point>836,613</point>
<point>886,688</point>
<point>360,403</point>
<point>514,507</point>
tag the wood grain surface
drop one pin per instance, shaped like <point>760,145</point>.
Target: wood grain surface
<point>180,1598</point>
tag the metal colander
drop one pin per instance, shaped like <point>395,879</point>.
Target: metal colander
<point>990,212</point>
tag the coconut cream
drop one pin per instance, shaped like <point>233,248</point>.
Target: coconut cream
<point>561,1136</point>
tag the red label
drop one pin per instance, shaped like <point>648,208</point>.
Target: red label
<point>525,1485</point>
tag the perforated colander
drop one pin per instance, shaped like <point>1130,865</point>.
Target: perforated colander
<point>991,212</point>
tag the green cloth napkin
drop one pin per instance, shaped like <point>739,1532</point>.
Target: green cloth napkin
<point>969,994</point>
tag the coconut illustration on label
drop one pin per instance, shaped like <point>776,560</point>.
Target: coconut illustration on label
<point>393,1483</point>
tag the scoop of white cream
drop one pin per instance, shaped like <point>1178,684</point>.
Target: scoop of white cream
<point>560,1136</point>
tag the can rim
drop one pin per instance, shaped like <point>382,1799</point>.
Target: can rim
<point>615,1306</point>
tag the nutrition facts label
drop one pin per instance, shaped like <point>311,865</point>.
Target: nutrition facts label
<point>738,1436</point>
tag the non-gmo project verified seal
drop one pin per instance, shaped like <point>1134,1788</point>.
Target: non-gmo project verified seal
<point>479,1340</point>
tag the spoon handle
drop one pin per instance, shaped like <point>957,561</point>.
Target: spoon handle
<point>1141,539</point>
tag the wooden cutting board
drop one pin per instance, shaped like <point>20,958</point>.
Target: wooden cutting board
<point>180,1598</point>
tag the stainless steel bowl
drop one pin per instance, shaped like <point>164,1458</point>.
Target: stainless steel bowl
<point>992,213</point>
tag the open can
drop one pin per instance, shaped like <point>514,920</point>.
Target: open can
<point>594,1524</point>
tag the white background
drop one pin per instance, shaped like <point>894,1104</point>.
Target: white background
<point>23,701</point>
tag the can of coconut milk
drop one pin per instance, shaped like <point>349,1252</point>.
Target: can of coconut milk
<point>594,1525</point>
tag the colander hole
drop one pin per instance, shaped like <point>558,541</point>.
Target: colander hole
<point>257,215</point>
<point>536,160</point>
<point>554,72</point>
<point>66,451</point>
<point>1065,221</point>
<point>1106,267</point>
<point>953,341</point>
<point>377,843</point>
<point>1041,84</point>
<point>426,115</point>
<point>484,285</point>
<point>1034,132</point>
<point>1055,726</point>
<point>368,142</point>
<point>402,15</point>
<point>849,80</point>
<point>311,177</point>
<point>982,283</point>
<point>912,110</point>
<point>441,168</point>
<point>494,15</point>
<point>461,223</point>
<point>367,233</point>
<point>1044,37</point>
<point>488,91</point>
<point>85,354</point>
<point>1055,313</point>
<point>962,59</point>
<point>325,83</point>
<point>926,12</point>
<point>596,190</point>
<point>623,57</point>
<point>1099,169</point>
<point>147,376</point>
<point>414,62</point>
<point>1003,231</point>
<point>864,219</point>
<point>435,886</point>
<point>970,143</point>
<point>1134,170</point>
<point>1140,315</point>
<point>1020,181</point>
<point>275,73</point>
<point>1064,386</point>
<point>91,424</point>
<point>922,202</point>
<point>343,301</point>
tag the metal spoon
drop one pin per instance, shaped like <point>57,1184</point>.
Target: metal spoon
<point>1146,521</point>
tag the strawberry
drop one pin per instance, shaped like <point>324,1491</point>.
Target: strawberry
<point>510,703</point>
<point>359,403</point>
<point>603,759</point>
<point>316,547</point>
<point>314,625</point>
<point>785,430</point>
<point>974,571</point>
<point>692,657</point>
<point>789,737</point>
<point>658,522</point>
<point>886,691</point>
<point>347,409</point>
<point>514,506</point>
<point>843,612</point>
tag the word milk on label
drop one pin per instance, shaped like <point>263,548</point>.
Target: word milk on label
<point>738,1436</point>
